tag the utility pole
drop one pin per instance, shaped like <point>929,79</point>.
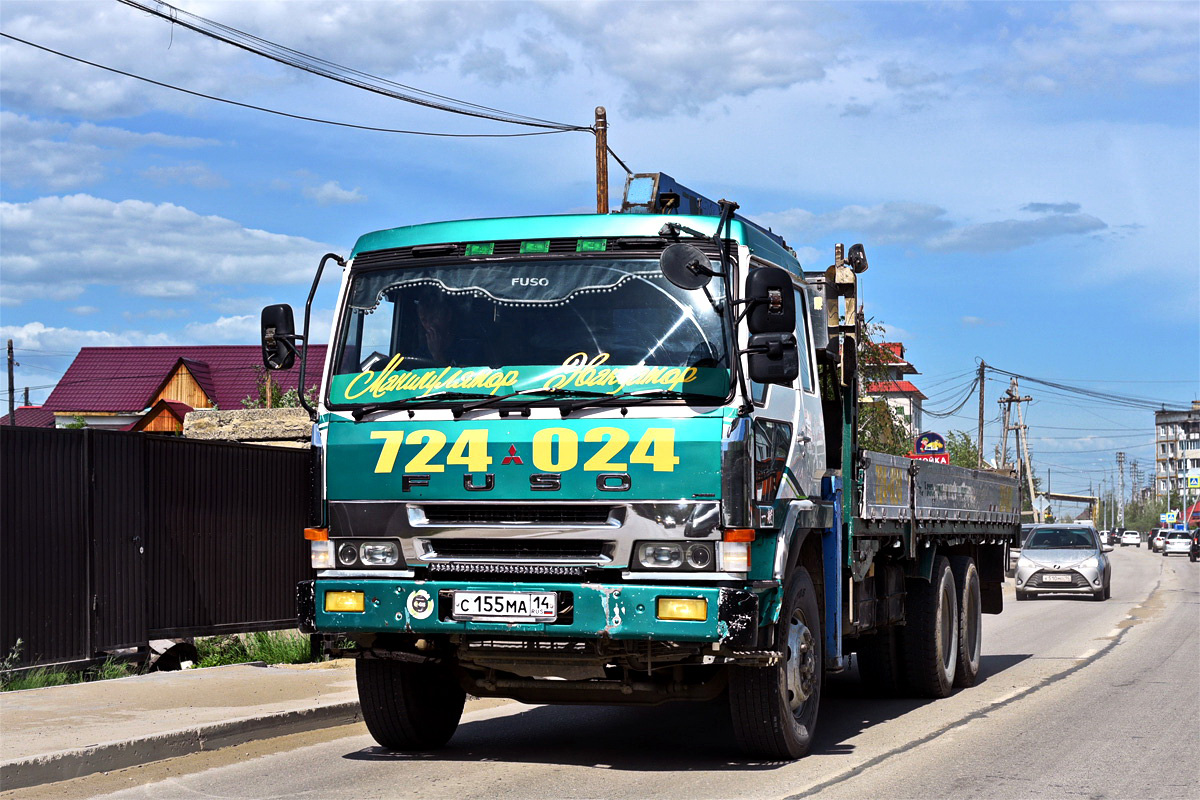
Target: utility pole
<point>979,441</point>
<point>601,160</point>
<point>26,396</point>
<point>12,391</point>
<point>1121,490</point>
<point>1135,478</point>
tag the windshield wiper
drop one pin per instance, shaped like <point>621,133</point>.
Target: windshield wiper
<point>417,402</point>
<point>491,400</point>
<point>631,398</point>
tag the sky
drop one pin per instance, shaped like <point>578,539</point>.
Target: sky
<point>1025,176</point>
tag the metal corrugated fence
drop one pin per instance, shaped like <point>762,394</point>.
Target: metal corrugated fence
<point>109,539</point>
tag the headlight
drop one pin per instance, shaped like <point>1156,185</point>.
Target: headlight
<point>1025,562</point>
<point>347,554</point>
<point>683,556</point>
<point>379,554</point>
<point>321,554</point>
<point>1091,563</point>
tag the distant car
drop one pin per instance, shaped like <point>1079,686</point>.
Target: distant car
<point>1157,538</point>
<point>1194,550</point>
<point>1103,537</point>
<point>1064,558</point>
<point>1131,537</point>
<point>1179,542</point>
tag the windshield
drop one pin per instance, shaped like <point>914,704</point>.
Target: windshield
<point>599,325</point>
<point>1060,539</point>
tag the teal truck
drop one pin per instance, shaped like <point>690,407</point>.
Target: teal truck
<point>611,459</point>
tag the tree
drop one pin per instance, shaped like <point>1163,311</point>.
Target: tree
<point>880,427</point>
<point>960,446</point>
<point>279,397</point>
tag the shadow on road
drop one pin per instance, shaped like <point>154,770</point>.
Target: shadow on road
<point>674,737</point>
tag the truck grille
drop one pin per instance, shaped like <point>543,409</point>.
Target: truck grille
<point>518,549</point>
<point>499,514</point>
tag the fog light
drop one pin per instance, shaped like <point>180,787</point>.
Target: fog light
<point>344,601</point>
<point>347,554</point>
<point>733,557</point>
<point>1097,581</point>
<point>683,608</point>
<point>321,554</point>
<point>379,554</point>
<point>652,555</point>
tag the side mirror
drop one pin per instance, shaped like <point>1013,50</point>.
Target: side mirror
<point>771,301</point>
<point>686,266</point>
<point>773,358</point>
<point>278,330</point>
<point>1108,548</point>
<point>857,258</point>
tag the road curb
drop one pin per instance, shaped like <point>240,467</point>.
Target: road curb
<point>67,764</point>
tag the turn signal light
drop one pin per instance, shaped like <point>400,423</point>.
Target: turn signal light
<point>316,534</point>
<point>683,608</point>
<point>344,601</point>
<point>739,535</point>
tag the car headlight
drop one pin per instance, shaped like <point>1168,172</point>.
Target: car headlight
<point>683,556</point>
<point>1025,563</point>
<point>1090,563</point>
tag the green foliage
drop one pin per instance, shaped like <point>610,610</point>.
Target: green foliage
<point>880,427</point>
<point>271,647</point>
<point>279,397</point>
<point>43,677</point>
<point>960,446</point>
<point>76,423</point>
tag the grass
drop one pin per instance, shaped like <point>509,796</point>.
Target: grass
<point>271,647</point>
<point>48,676</point>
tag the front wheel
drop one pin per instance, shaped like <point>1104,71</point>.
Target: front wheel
<point>409,706</point>
<point>774,709</point>
<point>931,632</point>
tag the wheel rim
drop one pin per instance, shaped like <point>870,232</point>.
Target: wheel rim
<point>949,626</point>
<point>801,668</point>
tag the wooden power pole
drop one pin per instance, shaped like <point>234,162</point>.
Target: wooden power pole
<point>601,160</point>
<point>979,441</point>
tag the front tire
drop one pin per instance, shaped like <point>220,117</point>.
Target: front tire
<point>970,620</point>
<point>409,706</point>
<point>775,708</point>
<point>931,633</point>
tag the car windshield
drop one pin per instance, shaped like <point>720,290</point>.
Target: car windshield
<point>1060,539</point>
<point>606,325</point>
<point>1181,535</point>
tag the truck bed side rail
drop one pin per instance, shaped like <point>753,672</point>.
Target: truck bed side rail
<point>897,489</point>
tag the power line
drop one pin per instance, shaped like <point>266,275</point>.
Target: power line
<point>1128,401</point>
<point>336,72</point>
<point>274,111</point>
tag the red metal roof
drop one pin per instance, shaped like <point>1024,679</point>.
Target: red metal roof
<point>31,417</point>
<point>894,387</point>
<point>126,379</point>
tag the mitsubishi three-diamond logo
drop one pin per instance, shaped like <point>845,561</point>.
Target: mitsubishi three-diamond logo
<point>512,457</point>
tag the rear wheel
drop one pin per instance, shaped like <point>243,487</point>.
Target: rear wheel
<point>409,706</point>
<point>970,620</point>
<point>931,633</point>
<point>774,709</point>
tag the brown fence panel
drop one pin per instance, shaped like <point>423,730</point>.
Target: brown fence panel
<point>224,547</point>
<point>44,547</point>
<point>118,533</point>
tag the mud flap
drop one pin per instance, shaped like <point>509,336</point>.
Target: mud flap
<point>306,606</point>
<point>738,610</point>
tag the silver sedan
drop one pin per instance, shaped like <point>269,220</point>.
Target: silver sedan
<point>1178,542</point>
<point>1066,559</point>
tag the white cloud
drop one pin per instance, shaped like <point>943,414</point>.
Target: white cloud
<point>885,223</point>
<point>331,193</point>
<point>682,56</point>
<point>84,310</point>
<point>1010,234</point>
<point>38,336</point>
<point>232,330</point>
<point>196,175</point>
<point>156,250</point>
<point>978,322</point>
<point>59,156</point>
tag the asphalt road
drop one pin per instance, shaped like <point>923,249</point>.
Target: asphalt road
<point>1077,698</point>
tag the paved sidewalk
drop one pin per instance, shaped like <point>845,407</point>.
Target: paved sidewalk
<point>64,732</point>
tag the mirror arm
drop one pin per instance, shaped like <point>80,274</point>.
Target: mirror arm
<point>727,273</point>
<point>303,337</point>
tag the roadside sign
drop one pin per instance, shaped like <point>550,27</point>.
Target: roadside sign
<point>1041,503</point>
<point>1170,516</point>
<point>1194,481</point>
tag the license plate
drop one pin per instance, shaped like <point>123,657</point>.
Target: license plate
<point>1056,579</point>
<point>506,606</point>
